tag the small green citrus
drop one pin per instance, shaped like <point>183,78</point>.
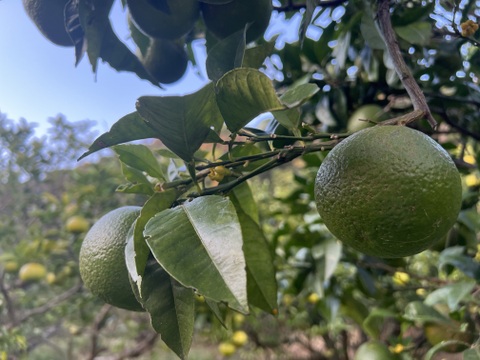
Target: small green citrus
<point>102,258</point>
<point>373,350</point>
<point>48,16</point>
<point>164,19</point>
<point>388,191</point>
<point>225,19</point>
<point>358,120</point>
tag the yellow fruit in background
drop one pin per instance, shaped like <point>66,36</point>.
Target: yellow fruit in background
<point>51,278</point>
<point>227,348</point>
<point>77,224</point>
<point>10,266</point>
<point>223,20</point>
<point>388,191</point>
<point>166,60</point>
<point>400,278</point>
<point>373,350</point>
<point>238,319</point>
<point>102,258</point>
<point>164,19</point>
<point>239,338</point>
<point>32,272</point>
<point>371,112</point>
<point>313,298</point>
<point>48,16</point>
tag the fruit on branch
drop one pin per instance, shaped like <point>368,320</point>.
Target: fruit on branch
<point>164,19</point>
<point>388,191</point>
<point>102,258</point>
<point>225,19</point>
<point>166,60</point>
<point>49,17</point>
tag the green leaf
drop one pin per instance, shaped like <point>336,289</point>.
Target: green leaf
<point>472,354</point>
<point>418,33</point>
<point>226,55</point>
<point>138,182</point>
<point>374,322</point>
<point>298,95</point>
<point>102,42</point>
<point>370,32</point>
<point>454,256</point>
<point>138,247</point>
<point>289,118</point>
<point>327,255</point>
<point>171,307</point>
<point>419,312</point>
<point>129,128</point>
<point>141,158</point>
<point>442,345</point>
<point>243,94</point>
<point>200,243</point>
<point>452,294</point>
<point>182,122</point>
<point>255,56</point>
<point>215,309</point>
<point>261,282</point>
<point>242,198</point>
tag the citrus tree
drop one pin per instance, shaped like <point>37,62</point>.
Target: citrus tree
<point>246,205</point>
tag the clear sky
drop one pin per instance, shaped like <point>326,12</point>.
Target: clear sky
<point>39,80</point>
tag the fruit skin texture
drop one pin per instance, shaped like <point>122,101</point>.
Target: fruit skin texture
<point>48,16</point>
<point>373,350</point>
<point>152,17</point>
<point>165,60</point>
<point>388,191</point>
<point>224,20</point>
<point>102,258</point>
<point>32,272</point>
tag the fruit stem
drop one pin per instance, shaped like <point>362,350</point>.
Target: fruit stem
<point>419,102</point>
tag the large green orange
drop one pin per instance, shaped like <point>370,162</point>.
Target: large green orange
<point>48,16</point>
<point>388,191</point>
<point>166,60</point>
<point>102,258</point>
<point>224,19</point>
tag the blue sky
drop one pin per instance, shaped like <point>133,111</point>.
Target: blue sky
<point>39,80</point>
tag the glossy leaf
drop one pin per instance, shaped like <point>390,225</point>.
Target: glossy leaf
<point>182,122</point>
<point>199,243</point>
<point>243,94</point>
<point>171,307</point>
<point>242,198</point>
<point>138,182</point>
<point>226,55</point>
<point>419,312</point>
<point>140,157</point>
<point>140,251</point>
<point>299,94</point>
<point>129,128</point>
<point>455,256</point>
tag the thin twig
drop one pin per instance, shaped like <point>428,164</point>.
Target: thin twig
<point>419,102</point>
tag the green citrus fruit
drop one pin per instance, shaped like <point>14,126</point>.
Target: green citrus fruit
<point>165,60</point>
<point>32,272</point>
<point>388,191</point>
<point>164,19</point>
<point>102,258</point>
<point>371,112</point>
<point>48,16</point>
<point>373,350</point>
<point>438,332</point>
<point>77,224</point>
<point>225,19</point>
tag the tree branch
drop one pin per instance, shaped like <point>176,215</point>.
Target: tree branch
<point>419,102</point>
<point>295,7</point>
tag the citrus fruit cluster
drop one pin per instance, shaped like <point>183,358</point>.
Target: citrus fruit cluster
<point>102,258</point>
<point>388,191</point>
<point>164,25</point>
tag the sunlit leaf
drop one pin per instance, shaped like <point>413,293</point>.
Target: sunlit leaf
<point>243,94</point>
<point>451,294</point>
<point>299,94</point>
<point>129,128</point>
<point>182,122</point>
<point>199,243</point>
<point>419,312</point>
<point>418,33</point>
<point>140,157</point>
